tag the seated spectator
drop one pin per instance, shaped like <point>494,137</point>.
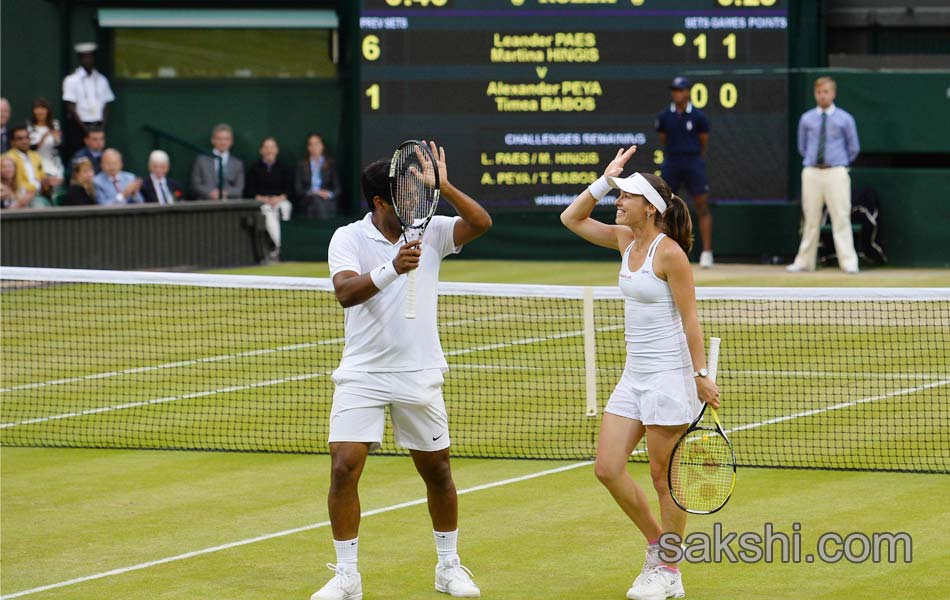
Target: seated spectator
<point>45,137</point>
<point>11,195</point>
<point>157,187</point>
<point>4,117</point>
<point>269,182</point>
<point>221,176</point>
<point>82,190</point>
<point>94,142</point>
<point>113,185</point>
<point>316,182</point>
<point>29,168</point>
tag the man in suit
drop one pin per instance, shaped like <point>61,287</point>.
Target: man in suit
<point>316,182</point>
<point>94,142</point>
<point>4,118</point>
<point>113,185</point>
<point>157,188</point>
<point>221,176</point>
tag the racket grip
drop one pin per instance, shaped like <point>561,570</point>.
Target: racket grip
<point>411,294</point>
<point>712,363</point>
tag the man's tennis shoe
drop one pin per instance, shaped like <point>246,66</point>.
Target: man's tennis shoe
<point>651,562</point>
<point>706,259</point>
<point>659,584</point>
<point>455,580</point>
<point>345,585</point>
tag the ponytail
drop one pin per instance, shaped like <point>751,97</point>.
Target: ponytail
<point>677,223</point>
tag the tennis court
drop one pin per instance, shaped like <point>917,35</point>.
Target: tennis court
<point>844,384</point>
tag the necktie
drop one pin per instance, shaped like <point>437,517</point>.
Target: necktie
<point>115,184</point>
<point>821,138</point>
<point>220,172</point>
<point>161,190</point>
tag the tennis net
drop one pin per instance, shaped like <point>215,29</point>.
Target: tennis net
<point>810,378</point>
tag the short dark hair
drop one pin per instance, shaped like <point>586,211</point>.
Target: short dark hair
<point>92,129</point>
<point>18,127</point>
<point>375,181</point>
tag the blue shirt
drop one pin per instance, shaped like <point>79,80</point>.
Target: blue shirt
<point>841,137</point>
<point>107,191</point>
<point>316,179</point>
<point>682,130</point>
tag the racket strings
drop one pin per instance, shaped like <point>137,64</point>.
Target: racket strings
<point>702,471</point>
<point>413,185</point>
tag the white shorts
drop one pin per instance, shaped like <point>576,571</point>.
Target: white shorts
<point>662,398</point>
<point>415,405</point>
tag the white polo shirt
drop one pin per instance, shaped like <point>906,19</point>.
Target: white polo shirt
<point>90,92</point>
<point>378,336</point>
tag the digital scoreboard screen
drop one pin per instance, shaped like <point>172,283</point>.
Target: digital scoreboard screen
<point>532,98</point>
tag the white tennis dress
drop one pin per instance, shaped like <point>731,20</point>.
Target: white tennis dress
<point>657,386</point>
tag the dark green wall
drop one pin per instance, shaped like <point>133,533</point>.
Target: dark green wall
<point>30,49</point>
<point>286,110</point>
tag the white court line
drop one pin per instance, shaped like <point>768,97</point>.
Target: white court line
<point>172,365</point>
<point>419,501</point>
<point>236,388</point>
<point>286,532</point>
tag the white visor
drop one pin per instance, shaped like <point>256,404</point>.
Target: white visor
<point>638,184</point>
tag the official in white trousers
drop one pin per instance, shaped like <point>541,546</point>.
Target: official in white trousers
<point>828,143</point>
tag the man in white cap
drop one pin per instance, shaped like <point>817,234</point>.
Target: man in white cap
<point>87,94</point>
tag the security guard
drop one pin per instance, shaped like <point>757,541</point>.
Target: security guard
<point>684,135</point>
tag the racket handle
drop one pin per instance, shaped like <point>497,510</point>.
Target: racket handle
<point>411,295</point>
<point>712,363</point>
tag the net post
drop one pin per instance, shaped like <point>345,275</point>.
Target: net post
<point>590,352</point>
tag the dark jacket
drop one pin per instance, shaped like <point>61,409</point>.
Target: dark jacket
<point>314,206</point>
<point>268,181</point>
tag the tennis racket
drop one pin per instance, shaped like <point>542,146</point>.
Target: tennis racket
<point>414,185</point>
<point>702,471</point>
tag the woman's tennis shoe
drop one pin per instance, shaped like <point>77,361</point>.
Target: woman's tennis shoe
<point>651,562</point>
<point>659,584</point>
<point>345,585</point>
<point>455,580</point>
<point>706,259</point>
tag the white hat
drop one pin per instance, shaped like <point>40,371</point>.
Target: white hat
<point>638,184</point>
<point>85,47</point>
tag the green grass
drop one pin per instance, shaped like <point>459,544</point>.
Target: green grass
<point>67,513</point>
<point>75,513</point>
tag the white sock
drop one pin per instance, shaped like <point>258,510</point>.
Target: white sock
<point>346,553</point>
<point>446,545</point>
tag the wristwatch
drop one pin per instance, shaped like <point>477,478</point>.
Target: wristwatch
<point>704,372</point>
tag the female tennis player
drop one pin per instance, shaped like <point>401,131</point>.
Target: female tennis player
<point>665,378</point>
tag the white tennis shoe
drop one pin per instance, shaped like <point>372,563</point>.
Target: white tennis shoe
<point>706,259</point>
<point>345,585</point>
<point>455,580</point>
<point>659,584</point>
<point>651,562</point>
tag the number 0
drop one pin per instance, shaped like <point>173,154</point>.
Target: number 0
<point>728,95</point>
<point>699,95</point>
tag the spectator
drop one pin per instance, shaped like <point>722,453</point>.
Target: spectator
<point>269,182</point>
<point>4,117</point>
<point>828,143</point>
<point>46,136</point>
<point>684,135</point>
<point>316,182</point>
<point>221,176</point>
<point>11,195</point>
<point>82,190</point>
<point>87,95</point>
<point>29,168</point>
<point>157,187</point>
<point>113,185</point>
<point>93,144</point>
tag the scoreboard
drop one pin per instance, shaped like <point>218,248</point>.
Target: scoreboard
<point>532,98</point>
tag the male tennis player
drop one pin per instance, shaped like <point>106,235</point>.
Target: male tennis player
<point>665,375</point>
<point>389,360</point>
